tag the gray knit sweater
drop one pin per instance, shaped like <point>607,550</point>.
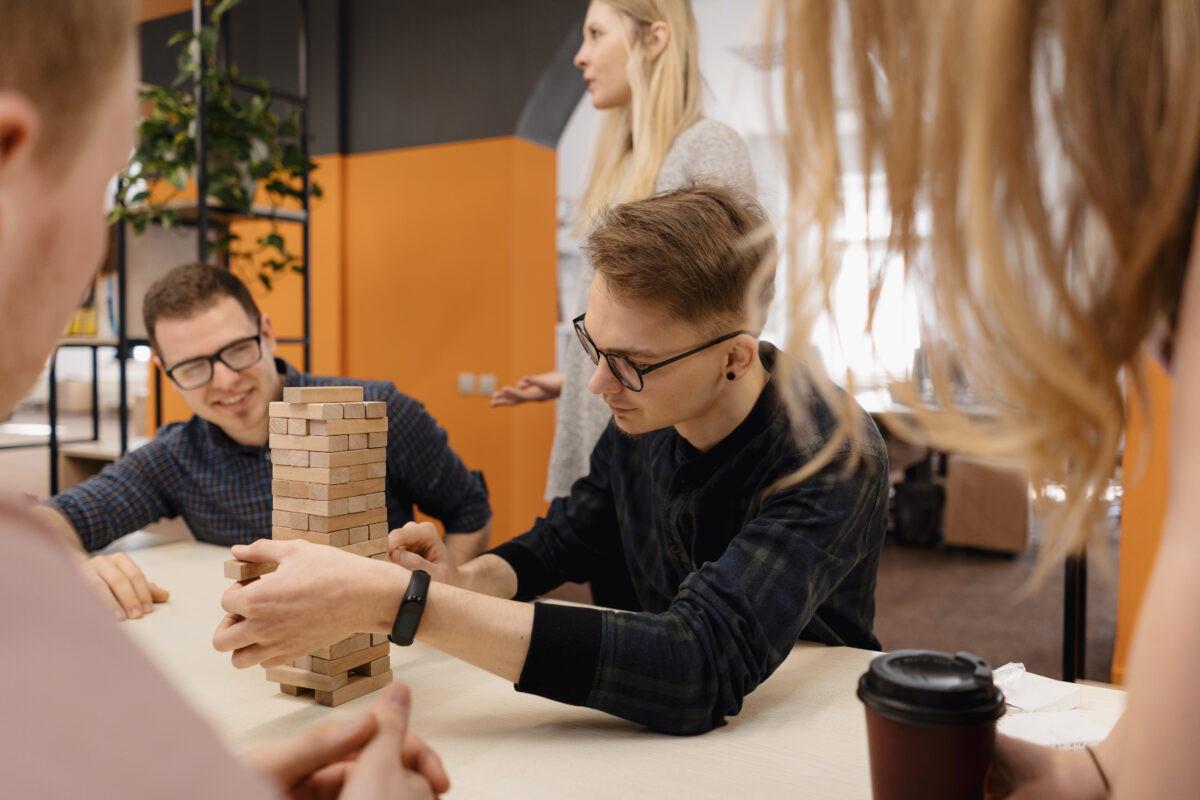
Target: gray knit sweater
<point>707,152</point>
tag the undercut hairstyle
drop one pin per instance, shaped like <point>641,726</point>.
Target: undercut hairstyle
<point>189,289</point>
<point>703,253</point>
<point>61,55</point>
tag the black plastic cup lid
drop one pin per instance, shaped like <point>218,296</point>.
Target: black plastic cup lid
<point>931,688</point>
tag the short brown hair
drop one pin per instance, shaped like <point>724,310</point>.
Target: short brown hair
<point>701,253</point>
<point>189,289</point>
<point>62,54</point>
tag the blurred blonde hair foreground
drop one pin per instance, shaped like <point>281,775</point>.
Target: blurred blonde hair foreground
<point>1040,163</point>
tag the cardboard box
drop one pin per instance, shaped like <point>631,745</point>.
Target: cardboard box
<point>987,505</point>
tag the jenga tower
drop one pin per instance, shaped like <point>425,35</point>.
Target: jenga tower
<point>329,462</point>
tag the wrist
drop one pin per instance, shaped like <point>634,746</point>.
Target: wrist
<point>386,593</point>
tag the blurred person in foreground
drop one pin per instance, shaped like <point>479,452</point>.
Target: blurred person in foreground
<point>1041,163</point>
<point>67,102</point>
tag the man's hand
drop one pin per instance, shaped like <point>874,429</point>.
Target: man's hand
<point>531,388</point>
<point>317,596</point>
<point>1024,771</point>
<point>418,546</point>
<point>374,756</point>
<point>121,585</point>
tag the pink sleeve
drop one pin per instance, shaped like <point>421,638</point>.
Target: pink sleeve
<point>84,713</point>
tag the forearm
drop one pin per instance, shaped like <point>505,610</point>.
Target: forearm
<point>1156,756</point>
<point>489,574</point>
<point>490,632</point>
<point>465,546</point>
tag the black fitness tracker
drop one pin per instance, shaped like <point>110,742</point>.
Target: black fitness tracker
<point>411,608</point>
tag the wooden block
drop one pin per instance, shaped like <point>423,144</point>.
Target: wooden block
<point>321,491</point>
<point>293,676</point>
<point>377,500</point>
<point>347,521</point>
<point>289,458</point>
<point>377,439</point>
<point>378,530</point>
<point>358,686</point>
<point>375,408</point>
<point>376,638</point>
<point>284,488</point>
<point>370,547</point>
<point>324,444</point>
<point>303,662</point>
<point>346,663</point>
<point>359,534</point>
<point>333,538</point>
<point>295,691</point>
<point>297,427</point>
<point>348,459</point>
<point>344,647</point>
<point>306,410</point>
<point>377,666</point>
<point>380,556</point>
<point>245,570</point>
<point>335,426</point>
<point>366,472</point>
<point>357,441</point>
<point>288,518</point>
<point>319,508</point>
<point>354,410</point>
<point>277,425</point>
<point>322,394</point>
<point>357,503</point>
<point>329,477</point>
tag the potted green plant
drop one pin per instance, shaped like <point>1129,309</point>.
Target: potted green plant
<point>247,141</point>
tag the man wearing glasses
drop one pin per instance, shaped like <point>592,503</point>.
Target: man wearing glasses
<point>692,502</point>
<point>214,470</point>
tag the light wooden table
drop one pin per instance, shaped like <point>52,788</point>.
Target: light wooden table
<point>801,734</point>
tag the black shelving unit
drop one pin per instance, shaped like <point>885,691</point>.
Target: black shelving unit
<point>205,216</point>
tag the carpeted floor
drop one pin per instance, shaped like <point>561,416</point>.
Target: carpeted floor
<point>955,599</point>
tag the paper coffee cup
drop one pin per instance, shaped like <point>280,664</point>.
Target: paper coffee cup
<point>931,724</point>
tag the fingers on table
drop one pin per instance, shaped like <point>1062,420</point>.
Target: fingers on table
<point>126,582</point>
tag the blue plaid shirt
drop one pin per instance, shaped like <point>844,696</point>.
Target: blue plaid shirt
<point>723,577</point>
<point>222,489</point>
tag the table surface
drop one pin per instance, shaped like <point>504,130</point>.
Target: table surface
<point>801,734</point>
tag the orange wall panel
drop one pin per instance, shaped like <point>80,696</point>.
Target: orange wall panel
<point>1144,504</point>
<point>450,268</point>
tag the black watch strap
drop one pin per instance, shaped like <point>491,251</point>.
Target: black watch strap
<point>411,608</point>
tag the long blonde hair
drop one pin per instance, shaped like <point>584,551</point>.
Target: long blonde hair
<point>634,140</point>
<point>1054,147</point>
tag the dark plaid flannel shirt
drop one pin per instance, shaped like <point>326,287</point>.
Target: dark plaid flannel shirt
<point>222,489</point>
<point>727,579</point>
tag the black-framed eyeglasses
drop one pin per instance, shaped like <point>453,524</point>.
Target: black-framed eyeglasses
<point>629,374</point>
<point>239,355</point>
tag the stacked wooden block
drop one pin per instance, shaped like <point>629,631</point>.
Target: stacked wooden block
<point>329,461</point>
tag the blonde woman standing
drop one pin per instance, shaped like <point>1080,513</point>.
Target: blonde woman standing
<point>640,61</point>
<point>1043,166</point>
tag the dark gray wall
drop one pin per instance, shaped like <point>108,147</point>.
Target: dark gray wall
<point>388,74</point>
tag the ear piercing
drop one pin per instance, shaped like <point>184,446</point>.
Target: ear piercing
<point>729,376</point>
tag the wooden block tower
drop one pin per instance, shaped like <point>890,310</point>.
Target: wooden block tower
<point>329,462</point>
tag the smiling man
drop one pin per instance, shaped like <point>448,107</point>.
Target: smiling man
<point>215,469</point>
<point>688,505</point>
